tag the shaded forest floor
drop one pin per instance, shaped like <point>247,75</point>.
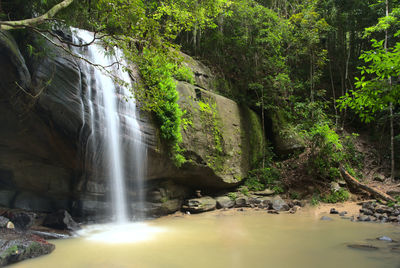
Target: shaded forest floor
<point>373,170</point>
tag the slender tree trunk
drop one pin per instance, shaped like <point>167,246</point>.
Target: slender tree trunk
<point>333,95</point>
<point>392,164</point>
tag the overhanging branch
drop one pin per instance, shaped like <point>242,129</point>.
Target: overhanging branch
<point>10,25</point>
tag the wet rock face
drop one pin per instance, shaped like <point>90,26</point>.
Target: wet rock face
<point>44,133</point>
<point>60,220</point>
<point>15,247</point>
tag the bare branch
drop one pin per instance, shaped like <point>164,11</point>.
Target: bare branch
<point>10,25</point>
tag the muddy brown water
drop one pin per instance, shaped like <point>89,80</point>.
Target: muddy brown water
<point>249,239</point>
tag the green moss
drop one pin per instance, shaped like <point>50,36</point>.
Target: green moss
<point>10,251</point>
<point>254,142</point>
<point>211,124</point>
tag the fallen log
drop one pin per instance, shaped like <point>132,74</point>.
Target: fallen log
<point>358,185</point>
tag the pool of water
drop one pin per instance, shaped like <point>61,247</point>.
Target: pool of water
<point>249,239</point>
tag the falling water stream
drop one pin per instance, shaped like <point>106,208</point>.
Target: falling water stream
<point>114,145</point>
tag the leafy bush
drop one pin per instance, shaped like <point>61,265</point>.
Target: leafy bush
<point>336,196</point>
<point>232,196</point>
<point>259,179</point>
<point>160,96</point>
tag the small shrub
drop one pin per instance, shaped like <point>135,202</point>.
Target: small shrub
<point>294,195</point>
<point>315,200</point>
<point>336,196</point>
<point>232,196</point>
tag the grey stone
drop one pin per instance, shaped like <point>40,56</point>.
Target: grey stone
<point>364,218</point>
<point>16,246</point>
<point>266,192</point>
<point>202,204</point>
<point>22,220</point>
<point>224,202</point>
<point>326,218</point>
<point>333,211</point>
<point>61,220</point>
<point>335,186</point>
<point>279,204</point>
<point>385,238</point>
<point>242,201</point>
<point>3,222</point>
<point>164,208</point>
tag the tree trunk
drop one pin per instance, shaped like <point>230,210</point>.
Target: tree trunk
<point>355,184</point>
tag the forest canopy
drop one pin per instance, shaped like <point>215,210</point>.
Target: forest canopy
<point>316,66</point>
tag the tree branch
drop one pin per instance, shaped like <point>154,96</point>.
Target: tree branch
<point>10,25</point>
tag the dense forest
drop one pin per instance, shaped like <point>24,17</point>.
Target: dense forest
<point>318,70</point>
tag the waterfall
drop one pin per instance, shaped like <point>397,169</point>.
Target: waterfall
<point>113,146</point>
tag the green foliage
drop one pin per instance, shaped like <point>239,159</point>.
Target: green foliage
<point>211,123</point>
<point>232,196</point>
<point>315,200</point>
<point>294,195</point>
<point>184,74</point>
<point>244,190</point>
<point>326,151</point>
<point>341,195</point>
<point>160,96</point>
<point>259,179</point>
<point>374,89</point>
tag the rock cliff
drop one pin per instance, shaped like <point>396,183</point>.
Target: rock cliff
<point>43,134</point>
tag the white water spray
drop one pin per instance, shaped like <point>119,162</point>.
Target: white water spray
<point>115,136</point>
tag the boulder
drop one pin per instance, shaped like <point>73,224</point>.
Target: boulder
<point>197,205</point>
<point>164,208</point>
<point>15,247</point>
<point>3,222</point>
<point>224,202</point>
<point>22,220</point>
<point>266,192</point>
<point>242,201</point>
<point>325,218</point>
<point>60,220</point>
<point>279,204</point>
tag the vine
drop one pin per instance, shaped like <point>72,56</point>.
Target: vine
<point>159,70</point>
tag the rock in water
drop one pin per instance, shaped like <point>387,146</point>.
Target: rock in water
<point>279,204</point>
<point>61,220</point>
<point>385,238</point>
<point>363,247</point>
<point>15,247</point>
<point>197,205</point>
<point>325,218</point>
<point>333,211</point>
<point>224,202</point>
